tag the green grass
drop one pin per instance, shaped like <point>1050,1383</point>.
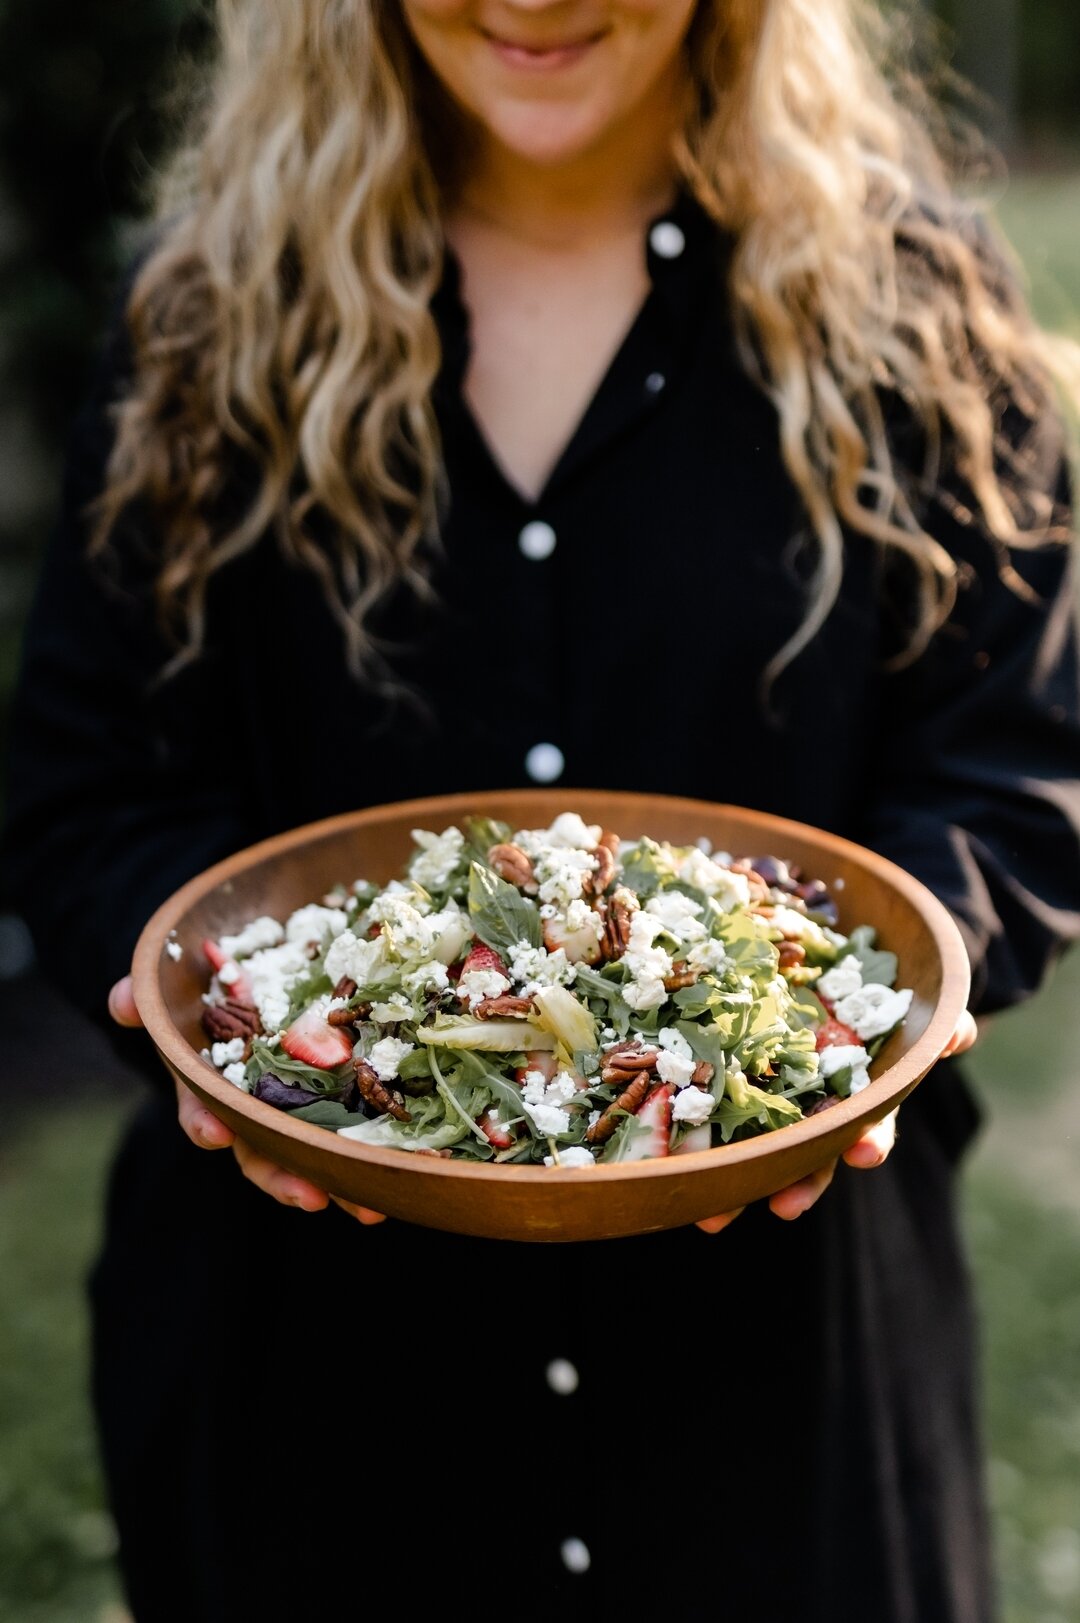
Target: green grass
<point>56,1540</point>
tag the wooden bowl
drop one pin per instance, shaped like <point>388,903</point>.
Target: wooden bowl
<point>529,1202</point>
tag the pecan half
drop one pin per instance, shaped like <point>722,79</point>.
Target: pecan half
<point>622,904</point>
<point>595,884</point>
<point>702,1074</point>
<point>624,1061</point>
<point>629,1100</point>
<point>345,987</point>
<point>501,1008</point>
<point>387,1101</point>
<point>680,976</point>
<point>610,841</point>
<point>224,1021</point>
<point>511,864</point>
<point>791,954</point>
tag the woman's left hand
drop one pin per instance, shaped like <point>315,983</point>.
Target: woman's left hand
<point>868,1151</point>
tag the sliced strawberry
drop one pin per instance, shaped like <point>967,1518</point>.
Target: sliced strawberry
<point>238,985</point>
<point>538,1059</point>
<point>834,1033</point>
<point>655,1114</point>
<point>698,1138</point>
<point>493,1130</point>
<point>312,1039</point>
<point>482,957</point>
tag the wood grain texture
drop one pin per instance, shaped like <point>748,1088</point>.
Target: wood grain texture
<point>541,1203</point>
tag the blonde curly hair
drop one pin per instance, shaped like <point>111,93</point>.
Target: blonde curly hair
<point>283,317</point>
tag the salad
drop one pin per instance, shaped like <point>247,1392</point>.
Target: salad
<point>556,996</point>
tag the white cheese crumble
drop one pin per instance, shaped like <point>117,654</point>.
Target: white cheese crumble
<point>477,984</point>
<point>174,950</point>
<point>544,1100</point>
<point>223,1054</point>
<point>704,956</point>
<point>840,981</point>
<point>873,1010</point>
<point>229,973</point>
<point>840,1055</point>
<point>272,972</point>
<point>439,854</point>
<point>680,916</point>
<point>676,1062</point>
<point>795,926</point>
<point>532,968</point>
<point>359,960</point>
<point>235,1075</point>
<point>561,873</point>
<point>574,1155</point>
<point>314,923</point>
<point>261,932</point>
<point>386,1057</point>
<point>692,1105</point>
<point>649,966</point>
<point>431,977</point>
<point>727,888</point>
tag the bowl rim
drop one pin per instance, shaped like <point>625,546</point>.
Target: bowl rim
<point>901,1076</point>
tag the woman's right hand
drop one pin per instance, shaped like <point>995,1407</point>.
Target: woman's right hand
<point>209,1133</point>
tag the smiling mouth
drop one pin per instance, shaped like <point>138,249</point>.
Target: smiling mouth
<point>522,54</point>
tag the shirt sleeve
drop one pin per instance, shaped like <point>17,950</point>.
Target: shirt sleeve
<point>978,781</point>
<point>114,795</point>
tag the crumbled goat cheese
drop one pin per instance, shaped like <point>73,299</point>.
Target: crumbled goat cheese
<point>174,950</point>
<point>223,1054</point>
<point>649,966</point>
<point>796,926</point>
<point>594,1117</point>
<point>431,977</point>
<point>386,1057</point>
<point>433,865</point>
<point>580,916</point>
<point>543,1100</point>
<point>676,1062</point>
<point>728,889</point>
<point>568,829</point>
<point>840,981</point>
<point>262,932</point>
<point>680,916</point>
<point>235,1075</point>
<point>838,1056</point>
<point>532,968</point>
<point>707,955</point>
<point>561,873</point>
<point>272,972</point>
<point>574,1155</point>
<point>229,973</point>
<point>357,959</point>
<point>692,1105</point>
<point>873,1010</point>
<point>478,984</point>
<point>314,923</point>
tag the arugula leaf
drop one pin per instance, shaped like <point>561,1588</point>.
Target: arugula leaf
<point>878,968</point>
<point>754,1108</point>
<point>499,914</point>
<point>326,1113</point>
<point>643,868</point>
<point>481,833</point>
<point>806,1009</point>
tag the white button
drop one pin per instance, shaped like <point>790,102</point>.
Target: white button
<point>537,540</point>
<point>544,763</point>
<point>655,382</point>
<point>562,1377</point>
<point>667,239</point>
<point>575,1555</point>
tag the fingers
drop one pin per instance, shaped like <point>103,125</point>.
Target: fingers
<point>203,1128</point>
<point>363,1214</point>
<point>963,1037</point>
<point>798,1197</point>
<point>122,1004</point>
<point>874,1145</point>
<point>284,1187</point>
<point>713,1225</point>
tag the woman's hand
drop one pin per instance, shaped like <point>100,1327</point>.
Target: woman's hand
<point>868,1151</point>
<point>206,1131</point>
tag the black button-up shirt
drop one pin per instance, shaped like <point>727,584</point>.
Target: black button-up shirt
<point>774,1423</point>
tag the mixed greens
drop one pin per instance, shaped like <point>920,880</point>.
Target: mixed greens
<point>555,996</point>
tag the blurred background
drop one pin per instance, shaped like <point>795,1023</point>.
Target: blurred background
<point>87,107</point>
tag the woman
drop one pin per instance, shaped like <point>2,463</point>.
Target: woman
<point>553,391</point>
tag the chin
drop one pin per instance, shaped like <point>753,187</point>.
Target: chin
<point>546,135</point>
